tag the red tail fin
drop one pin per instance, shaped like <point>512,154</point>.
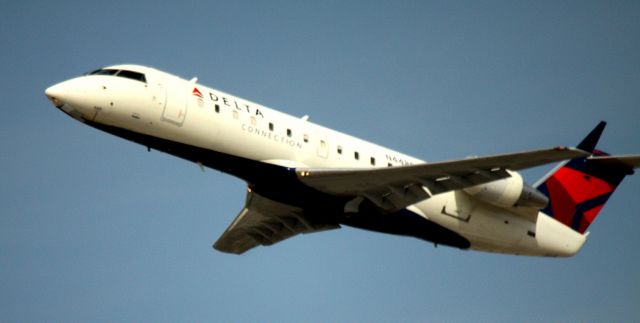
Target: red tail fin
<point>579,189</point>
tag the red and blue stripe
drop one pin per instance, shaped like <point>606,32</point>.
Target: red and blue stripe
<point>579,189</point>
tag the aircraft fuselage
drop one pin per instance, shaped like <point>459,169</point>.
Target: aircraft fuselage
<point>264,147</point>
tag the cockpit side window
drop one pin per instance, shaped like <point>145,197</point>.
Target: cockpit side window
<point>92,72</point>
<point>132,75</point>
<point>104,72</point>
<point>122,73</point>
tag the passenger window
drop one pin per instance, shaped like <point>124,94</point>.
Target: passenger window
<point>356,155</point>
<point>270,126</point>
<point>305,138</point>
<point>340,150</point>
<point>217,107</point>
<point>373,161</point>
<point>289,133</point>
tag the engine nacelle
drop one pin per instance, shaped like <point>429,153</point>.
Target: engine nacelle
<point>509,192</point>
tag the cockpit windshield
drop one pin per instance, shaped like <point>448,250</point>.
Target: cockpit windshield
<point>121,73</point>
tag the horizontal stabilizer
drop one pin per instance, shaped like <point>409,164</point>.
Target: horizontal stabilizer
<point>631,161</point>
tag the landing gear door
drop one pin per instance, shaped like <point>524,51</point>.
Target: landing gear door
<point>175,108</point>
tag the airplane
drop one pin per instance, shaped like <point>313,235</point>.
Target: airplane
<point>303,178</point>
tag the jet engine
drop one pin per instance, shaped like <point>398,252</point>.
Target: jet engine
<point>509,192</point>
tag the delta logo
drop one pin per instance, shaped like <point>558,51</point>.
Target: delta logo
<point>197,92</point>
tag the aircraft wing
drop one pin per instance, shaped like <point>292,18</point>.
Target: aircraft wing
<point>394,188</point>
<point>263,221</point>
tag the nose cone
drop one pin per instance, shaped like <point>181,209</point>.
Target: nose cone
<point>71,97</point>
<point>57,94</point>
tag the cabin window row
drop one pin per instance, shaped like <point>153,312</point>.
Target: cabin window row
<point>254,122</point>
<point>356,155</point>
<point>305,138</point>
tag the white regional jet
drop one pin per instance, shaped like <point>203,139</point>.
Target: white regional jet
<point>305,178</point>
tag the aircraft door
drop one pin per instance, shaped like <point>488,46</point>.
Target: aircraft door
<point>323,149</point>
<point>176,102</point>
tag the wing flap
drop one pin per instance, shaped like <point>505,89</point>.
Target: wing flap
<point>265,222</point>
<point>394,188</point>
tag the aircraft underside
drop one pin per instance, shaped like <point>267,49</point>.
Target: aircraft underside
<point>282,185</point>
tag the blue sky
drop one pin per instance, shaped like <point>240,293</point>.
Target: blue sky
<point>94,228</point>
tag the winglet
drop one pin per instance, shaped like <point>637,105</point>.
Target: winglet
<point>589,143</point>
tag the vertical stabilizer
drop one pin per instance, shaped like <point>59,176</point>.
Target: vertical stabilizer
<point>579,189</point>
<point>590,142</point>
